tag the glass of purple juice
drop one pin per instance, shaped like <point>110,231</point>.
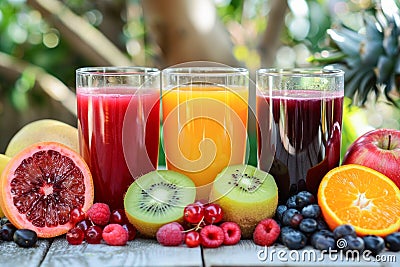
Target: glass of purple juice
<point>299,124</point>
<point>118,123</point>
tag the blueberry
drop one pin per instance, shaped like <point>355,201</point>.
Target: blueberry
<point>393,242</point>
<point>293,239</point>
<point>308,225</point>
<point>351,243</point>
<point>288,215</point>
<point>374,243</point>
<point>7,232</point>
<point>343,230</point>
<point>311,211</point>
<point>304,198</point>
<point>25,238</point>
<point>322,224</point>
<point>323,240</point>
<point>296,220</point>
<point>284,230</point>
<point>279,212</point>
<point>291,202</point>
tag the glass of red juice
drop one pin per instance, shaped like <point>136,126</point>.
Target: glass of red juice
<point>118,123</point>
<point>299,119</point>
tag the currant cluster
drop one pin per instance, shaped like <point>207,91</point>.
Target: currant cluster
<point>22,237</point>
<point>203,226</point>
<point>98,224</point>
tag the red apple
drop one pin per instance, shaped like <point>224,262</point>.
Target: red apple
<point>379,150</point>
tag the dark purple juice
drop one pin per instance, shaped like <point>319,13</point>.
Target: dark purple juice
<point>299,134</point>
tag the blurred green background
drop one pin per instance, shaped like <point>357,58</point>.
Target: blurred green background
<point>42,42</point>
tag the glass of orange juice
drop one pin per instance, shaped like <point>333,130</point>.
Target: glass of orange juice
<point>205,112</point>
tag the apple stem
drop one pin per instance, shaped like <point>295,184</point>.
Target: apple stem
<point>390,139</point>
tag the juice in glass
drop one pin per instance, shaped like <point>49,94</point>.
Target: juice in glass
<point>204,113</point>
<point>119,137</point>
<point>299,135</point>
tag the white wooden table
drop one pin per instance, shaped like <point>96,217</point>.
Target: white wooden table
<point>144,252</point>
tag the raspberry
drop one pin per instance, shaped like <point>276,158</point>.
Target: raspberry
<point>266,232</point>
<point>232,233</point>
<point>99,213</point>
<point>211,236</point>
<point>170,234</point>
<point>115,235</point>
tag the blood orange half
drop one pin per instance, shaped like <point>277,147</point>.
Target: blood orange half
<point>42,184</point>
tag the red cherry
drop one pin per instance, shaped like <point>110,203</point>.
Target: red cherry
<point>193,213</point>
<point>84,225</point>
<point>213,213</point>
<point>94,234</point>
<point>192,239</point>
<point>76,215</point>
<point>75,236</point>
<point>118,216</point>
<point>131,231</point>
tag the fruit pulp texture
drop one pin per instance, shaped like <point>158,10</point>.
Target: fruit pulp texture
<point>299,135</point>
<point>204,130</point>
<point>119,138</point>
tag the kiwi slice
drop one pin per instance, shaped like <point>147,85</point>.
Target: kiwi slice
<point>246,194</point>
<point>157,198</point>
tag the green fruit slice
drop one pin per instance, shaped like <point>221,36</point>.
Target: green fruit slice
<point>246,194</point>
<point>157,198</point>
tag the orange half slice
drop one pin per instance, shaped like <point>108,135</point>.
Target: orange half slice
<point>360,196</point>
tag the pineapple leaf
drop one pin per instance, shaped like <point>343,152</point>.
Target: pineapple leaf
<point>390,43</point>
<point>371,47</point>
<point>352,84</point>
<point>353,62</point>
<point>367,84</point>
<point>384,69</point>
<point>348,41</point>
<point>373,30</point>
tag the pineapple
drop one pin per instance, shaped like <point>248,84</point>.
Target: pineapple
<point>370,58</point>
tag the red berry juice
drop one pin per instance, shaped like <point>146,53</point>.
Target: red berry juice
<point>299,135</point>
<point>119,138</point>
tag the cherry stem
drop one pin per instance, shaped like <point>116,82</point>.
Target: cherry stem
<point>196,228</point>
<point>390,139</point>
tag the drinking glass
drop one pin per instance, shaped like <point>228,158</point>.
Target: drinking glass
<point>205,113</point>
<point>118,123</point>
<point>299,115</point>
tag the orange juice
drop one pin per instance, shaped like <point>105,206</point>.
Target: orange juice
<point>205,129</point>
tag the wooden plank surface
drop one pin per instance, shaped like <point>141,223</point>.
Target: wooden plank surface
<point>11,255</point>
<point>145,252</point>
<point>139,252</point>
<point>246,253</point>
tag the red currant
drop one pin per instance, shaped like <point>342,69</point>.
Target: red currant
<point>193,213</point>
<point>118,216</point>
<point>213,213</point>
<point>75,236</point>
<point>94,234</point>
<point>131,231</point>
<point>76,215</point>
<point>192,239</point>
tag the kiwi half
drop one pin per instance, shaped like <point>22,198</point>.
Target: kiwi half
<point>157,198</point>
<point>246,194</point>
